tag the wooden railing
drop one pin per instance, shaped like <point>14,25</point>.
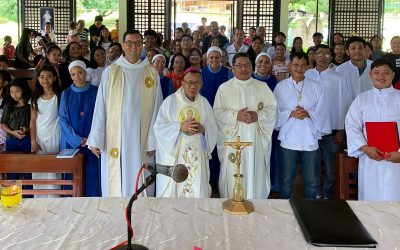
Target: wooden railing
<point>46,163</point>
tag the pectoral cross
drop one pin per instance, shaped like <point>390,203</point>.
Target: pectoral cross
<point>238,145</point>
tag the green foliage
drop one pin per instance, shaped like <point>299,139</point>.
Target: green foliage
<point>9,10</point>
<point>309,6</point>
<point>104,7</point>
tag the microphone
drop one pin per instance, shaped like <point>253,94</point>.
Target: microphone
<point>178,173</point>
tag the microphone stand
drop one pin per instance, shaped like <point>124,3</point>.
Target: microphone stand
<point>130,246</point>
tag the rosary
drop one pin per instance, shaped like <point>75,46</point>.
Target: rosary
<point>299,93</point>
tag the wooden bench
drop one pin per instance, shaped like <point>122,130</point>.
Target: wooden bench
<point>346,176</point>
<point>11,162</point>
<point>22,73</point>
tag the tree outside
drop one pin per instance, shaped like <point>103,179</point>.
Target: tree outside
<point>304,20</point>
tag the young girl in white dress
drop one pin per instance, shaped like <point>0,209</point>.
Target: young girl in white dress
<point>44,125</point>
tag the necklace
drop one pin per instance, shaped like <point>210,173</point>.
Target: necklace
<point>299,93</point>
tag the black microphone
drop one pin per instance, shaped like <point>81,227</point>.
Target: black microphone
<point>178,173</point>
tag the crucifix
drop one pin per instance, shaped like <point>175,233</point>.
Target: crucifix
<point>238,145</point>
<point>237,205</point>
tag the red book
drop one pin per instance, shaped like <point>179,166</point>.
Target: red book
<point>383,135</point>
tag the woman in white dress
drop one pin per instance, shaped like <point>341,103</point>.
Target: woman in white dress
<point>44,124</point>
<point>97,65</point>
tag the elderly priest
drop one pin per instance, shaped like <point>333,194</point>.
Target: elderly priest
<point>186,133</point>
<point>245,107</point>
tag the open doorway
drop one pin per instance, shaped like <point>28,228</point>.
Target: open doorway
<point>191,12</point>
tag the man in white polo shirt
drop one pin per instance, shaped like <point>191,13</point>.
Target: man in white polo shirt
<point>237,46</point>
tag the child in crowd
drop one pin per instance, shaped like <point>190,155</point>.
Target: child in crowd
<point>280,65</point>
<point>16,115</point>
<point>8,48</point>
<point>76,113</point>
<point>44,125</point>
<point>3,62</point>
<point>5,78</point>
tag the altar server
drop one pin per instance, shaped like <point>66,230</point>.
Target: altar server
<point>378,178</point>
<point>356,70</point>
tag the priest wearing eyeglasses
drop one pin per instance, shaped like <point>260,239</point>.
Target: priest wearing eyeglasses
<point>186,133</point>
<point>126,108</point>
<point>245,107</point>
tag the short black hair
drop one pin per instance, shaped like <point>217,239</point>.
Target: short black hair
<point>298,55</point>
<point>323,46</point>
<point>257,38</point>
<point>115,44</point>
<point>354,39</point>
<point>318,34</point>
<point>98,18</point>
<point>150,32</point>
<point>131,32</point>
<point>240,54</point>
<point>279,33</point>
<point>3,58</point>
<point>187,35</point>
<point>381,62</point>
<point>280,44</point>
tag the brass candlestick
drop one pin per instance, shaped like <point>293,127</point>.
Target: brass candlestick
<point>238,205</point>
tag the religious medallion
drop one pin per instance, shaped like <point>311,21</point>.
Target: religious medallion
<point>260,106</point>
<point>149,82</point>
<point>114,153</point>
<point>232,157</point>
<point>189,113</point>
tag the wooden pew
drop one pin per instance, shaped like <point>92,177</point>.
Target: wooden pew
<point>11,162</point>
<point>22,73</point>
<point>346,176</point>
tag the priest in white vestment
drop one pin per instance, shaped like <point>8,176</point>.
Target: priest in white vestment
<point>338,100</point>
<point>186,133</point>
<point>356,70</point>
<point>127,103</point>
<point>245,107</point>
<point>302,120</point>
<point>378,177</point>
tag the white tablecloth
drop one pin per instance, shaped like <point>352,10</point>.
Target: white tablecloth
<point>99,223</point>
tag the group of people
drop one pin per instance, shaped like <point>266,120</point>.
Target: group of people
<point>130,109</point>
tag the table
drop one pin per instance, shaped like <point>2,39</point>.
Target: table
<point>99,223</point>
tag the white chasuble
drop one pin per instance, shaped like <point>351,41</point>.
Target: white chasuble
<point>232,96</point>
<point>175,147</point>
<point>377,180</point>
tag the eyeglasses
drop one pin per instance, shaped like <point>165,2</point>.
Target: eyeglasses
<point>186,40</point>
<point>192,83</point>
<point>242,66</point>
<point>323,54</point>
<point>195,56</point>
<point>136,43</point>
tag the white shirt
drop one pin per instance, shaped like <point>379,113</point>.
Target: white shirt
<point>296,134</point>
<point>94,75</point>
<point>272,54</point>
<point>356,84</point>
<point>336,93</point>
<point>232,51</point>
